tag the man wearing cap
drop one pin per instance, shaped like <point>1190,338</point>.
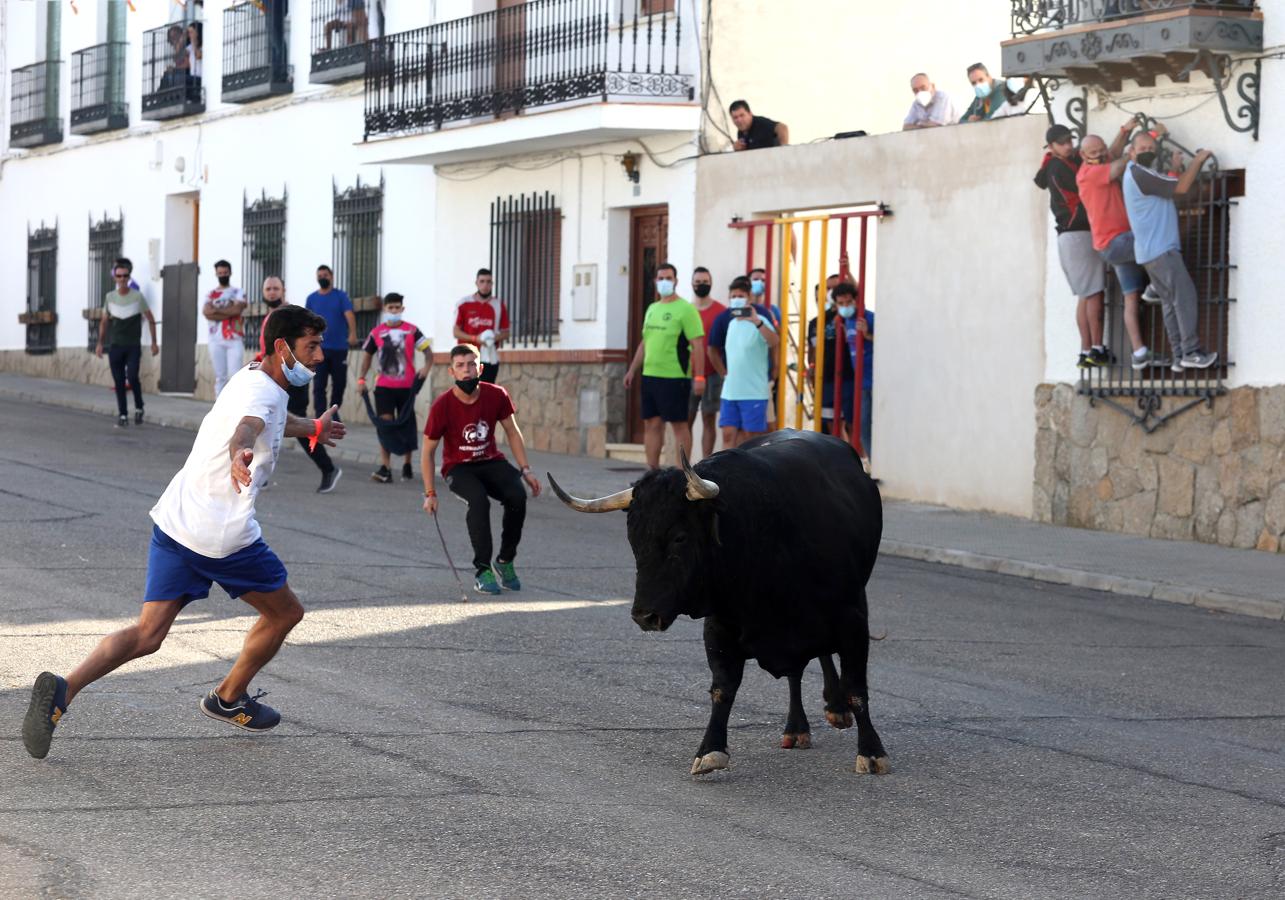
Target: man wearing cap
<point>1083,267</point>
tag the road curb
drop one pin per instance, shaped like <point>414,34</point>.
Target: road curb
<point>1095,581</point>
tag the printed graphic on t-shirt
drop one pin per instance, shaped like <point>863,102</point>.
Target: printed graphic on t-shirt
<point>392,355</point>
<point>231,329</point>
<point>475,438</point>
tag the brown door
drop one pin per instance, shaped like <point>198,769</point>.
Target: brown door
<point>648,248</point>
<point>510,57</point>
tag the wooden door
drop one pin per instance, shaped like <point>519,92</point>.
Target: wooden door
<point>648,248</point>
<point>510,57</point>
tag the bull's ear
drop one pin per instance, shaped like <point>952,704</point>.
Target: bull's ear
<point>713,528</point>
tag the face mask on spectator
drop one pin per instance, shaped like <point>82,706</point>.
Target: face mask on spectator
<point>1147,159</point>
<point>665,287</point>
<point>924,98</point>
<point>757,287</point>
<point>982,89</point>
<point>736,302</point>
<point>391,318</point>
<point>323,283</point>
<point>225,280</point>
<point>297,374</point>
<point>1016,84</point>
<point>847,311</point>
<point>701,290</point>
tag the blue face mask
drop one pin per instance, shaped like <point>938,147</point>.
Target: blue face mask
<point>392,318</point>
<point>758,287</point>
<point>737,302</point>
<point>982,89</point>
<point>847,311</point>
<point>297,373</point>
<point>665,287</point>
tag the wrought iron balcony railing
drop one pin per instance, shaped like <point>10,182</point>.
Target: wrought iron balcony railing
<point>256,51</point>
<point>173,64</point>
<point>34,115</point>
<point>1032,16</point>
<point>340,32</point>
<point>98,89</point>
<point>540,53</point>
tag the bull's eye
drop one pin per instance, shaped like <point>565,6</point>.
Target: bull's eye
<point>678,540</point>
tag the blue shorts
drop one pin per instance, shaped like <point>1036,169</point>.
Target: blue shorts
<point>1119,253</point>
<point>745,415</point>
<point>176,573</point>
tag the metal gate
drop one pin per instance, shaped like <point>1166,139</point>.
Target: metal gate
<point>105,239</point>
<point>41,317</point>
<point>178,318</point>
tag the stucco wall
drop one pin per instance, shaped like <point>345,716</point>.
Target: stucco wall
<point>961,266</point>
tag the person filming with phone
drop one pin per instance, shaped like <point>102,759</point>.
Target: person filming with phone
<point>741,342</point>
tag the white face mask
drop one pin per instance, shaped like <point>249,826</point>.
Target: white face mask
<point>924,98</point>
<point>1016,84</point>
<point>391,318</point>
<point>737,302</point>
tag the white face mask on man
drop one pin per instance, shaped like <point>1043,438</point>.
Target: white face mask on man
<point>924,98</point>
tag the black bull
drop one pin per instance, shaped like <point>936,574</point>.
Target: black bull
<point>772,545</point>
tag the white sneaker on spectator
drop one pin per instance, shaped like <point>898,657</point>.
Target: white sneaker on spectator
<point>1150,295</point>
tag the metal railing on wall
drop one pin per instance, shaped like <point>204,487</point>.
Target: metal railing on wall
<point>256,50</point>
<point>534,54</point>
<point>1033,16</point>
<point>106,239</point>
<point>41,317</point>
<point>358,235</point>
<point>34,115</point>
<point>263,251</point>
<point>173,70</point>
<point>98,88</point>
<point>340,30</point>
<point>526,259</point>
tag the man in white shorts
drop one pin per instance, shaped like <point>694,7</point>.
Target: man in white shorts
<point>222,310</point>
<point>205,532</point>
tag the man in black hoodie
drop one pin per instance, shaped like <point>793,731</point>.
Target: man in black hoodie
<point>1084,270</point>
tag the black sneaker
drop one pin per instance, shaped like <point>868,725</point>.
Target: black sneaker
<point>1084,362</point>
<point>1097,358</point>
<point>329,480</point>
<point>407,474</point>
<point>138,417</point>
<point>122,421</point>
<point>48,703</point>
<point>382,475</point>
<point>247,713</point>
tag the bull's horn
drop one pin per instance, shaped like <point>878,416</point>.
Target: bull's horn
<point>697,488</point>
<point>618,500</point>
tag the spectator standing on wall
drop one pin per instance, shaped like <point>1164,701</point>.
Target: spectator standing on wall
<point>988,94</point>
<point>121,330</point>
<point>223,308</point>
<point>1099,183</point>
<point>335,307</point>
<point>756,132</point>
<point>707,403</point>
<point>1149,199</point>
<point>482,319</point>
<point>931,108</point>
<point>1081,264</point>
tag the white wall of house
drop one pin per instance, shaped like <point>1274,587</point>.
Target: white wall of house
<point>961,269</point>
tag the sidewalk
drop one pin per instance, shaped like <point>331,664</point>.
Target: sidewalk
<point>1219,578</point>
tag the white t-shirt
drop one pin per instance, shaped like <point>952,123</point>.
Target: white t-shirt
<point>200,509</point>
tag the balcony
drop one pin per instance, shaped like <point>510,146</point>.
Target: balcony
<point>173,63</point>
<point>543,55</point>
<point>98,89</point>
<point>1103,42</point>
<point>256,51</point>
<point>340,36</point>
<point>35,119</point>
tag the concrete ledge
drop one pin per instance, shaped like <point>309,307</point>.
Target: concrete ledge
<point>1094,581</point>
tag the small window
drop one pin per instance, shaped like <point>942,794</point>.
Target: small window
<point>106,240</point>
<point>358,229</point>
<point>526,254</point>
<point>263,251</point>
<point>41,317</point>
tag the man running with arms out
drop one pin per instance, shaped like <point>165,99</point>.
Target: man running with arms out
<point>464,420</point>
<point>205,532</point>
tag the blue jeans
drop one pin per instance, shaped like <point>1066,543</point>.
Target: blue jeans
<point>1119,253</point>
<point>333,367</point>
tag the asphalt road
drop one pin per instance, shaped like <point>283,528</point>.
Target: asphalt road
<point>1045,741</point>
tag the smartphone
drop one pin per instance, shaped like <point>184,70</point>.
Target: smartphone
<point>743,312</point>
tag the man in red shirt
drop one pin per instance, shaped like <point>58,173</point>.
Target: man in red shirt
<point>707,403</point>
<point>1099,183</point>
<point>463,420</point>
<point>483,321</point>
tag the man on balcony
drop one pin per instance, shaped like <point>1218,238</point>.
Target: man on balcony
<point>931,108</point>
<point>756,132</point>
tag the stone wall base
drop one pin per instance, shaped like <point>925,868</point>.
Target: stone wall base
<point>1212,474</point>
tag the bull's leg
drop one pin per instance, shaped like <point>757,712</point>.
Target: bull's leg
<point>854,652</point>
<point>837,711</point>
<point>797,734</point>
<point>728,667</point>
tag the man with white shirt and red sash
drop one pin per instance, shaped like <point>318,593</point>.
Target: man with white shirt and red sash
<point>205,532</point>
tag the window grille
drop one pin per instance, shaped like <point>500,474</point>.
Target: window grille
<point>358,227</point>
<point>170,87</point>
<point>98,89</point>
<point>41,317</point>
<point>106,239</point>
<point>263,250</point>
<point>526,251</point>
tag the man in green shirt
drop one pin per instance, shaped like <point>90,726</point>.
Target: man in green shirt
<point>121,329</point>
<point>673,345</point>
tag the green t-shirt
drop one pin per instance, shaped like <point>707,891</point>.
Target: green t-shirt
<point>668,329</point>
<point>125,318</point>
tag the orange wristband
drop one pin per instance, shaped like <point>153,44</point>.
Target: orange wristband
<point>316,435</point>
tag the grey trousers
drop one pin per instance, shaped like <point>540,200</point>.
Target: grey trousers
<point>1177,293</point>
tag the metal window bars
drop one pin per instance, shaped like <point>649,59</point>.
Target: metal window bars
<point>263,251</point>
<point>358,232</point>
<point>171,83</point>
<point>98,89</point>
<point>41,317</point>
<point>1033,16</point>
<point>256,50</point>
<point>536,54</point>
<point>34,115</point>
<point>526,251</point>
<point>340,30</point>
<point>106,238</point>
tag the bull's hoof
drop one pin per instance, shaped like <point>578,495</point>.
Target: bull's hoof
<point>710,762</point>
<point>839,719</point>
<point>873,765</point>
<point>801,740</point>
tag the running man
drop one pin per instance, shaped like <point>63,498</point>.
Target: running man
<point>205,532</point>
<point>463,420</point>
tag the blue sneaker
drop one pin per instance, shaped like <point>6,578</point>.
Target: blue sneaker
<point>48,703</point>
<point>508,577</point>
<point>485,582</point>
<point>247,712</point>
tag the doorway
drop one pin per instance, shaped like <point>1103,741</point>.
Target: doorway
<point>179,302</point>
<point>648,248</point>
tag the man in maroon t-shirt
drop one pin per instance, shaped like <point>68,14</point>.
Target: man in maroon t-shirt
<point>463,420</point>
